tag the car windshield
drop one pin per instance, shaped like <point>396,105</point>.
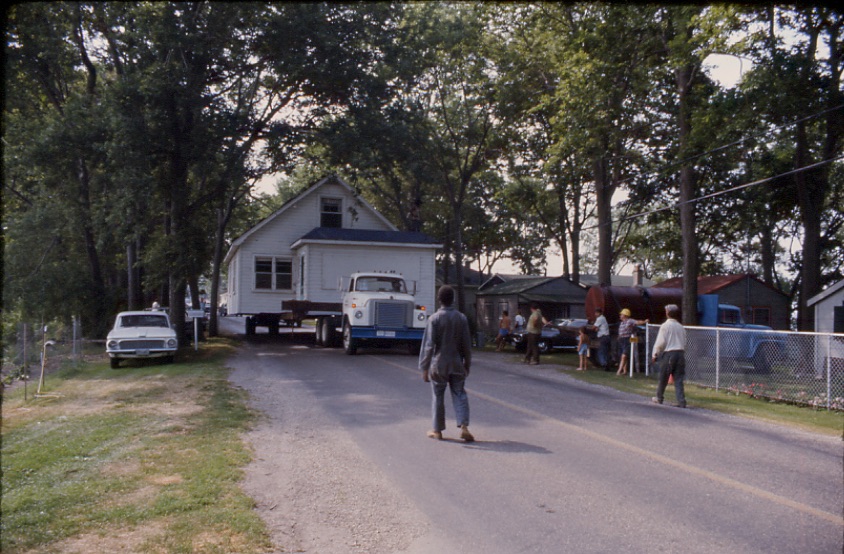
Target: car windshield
<point>381,284</point>
<point>144,320</point>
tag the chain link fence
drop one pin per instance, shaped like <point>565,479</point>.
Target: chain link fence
<point>30,347</point>
<point>798,368</point>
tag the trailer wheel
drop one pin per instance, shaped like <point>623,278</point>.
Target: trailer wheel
<point>350,345</point>
<point>328,333</point>
<point>250,326</point>
<point>318,340</point>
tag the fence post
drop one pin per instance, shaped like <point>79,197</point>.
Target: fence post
<point>828,371</point>
<point>717,358</point>
<point>75,356</point>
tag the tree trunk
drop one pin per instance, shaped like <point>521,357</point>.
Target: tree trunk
<point>810,199</point>
<point>687,197</point>
<point>603,197</point>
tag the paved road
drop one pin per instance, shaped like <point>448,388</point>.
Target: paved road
<point>558,466</point>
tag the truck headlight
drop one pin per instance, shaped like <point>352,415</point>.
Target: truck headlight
<point>171,343</point>
<point>112,345</point>
<point>358,314</point>
<point>420,316</point>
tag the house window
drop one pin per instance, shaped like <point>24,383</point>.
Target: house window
<point>273,273</point>
<point>760,316</point>
<point>331,213</point>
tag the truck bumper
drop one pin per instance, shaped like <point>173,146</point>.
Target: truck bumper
<point>387,334</point>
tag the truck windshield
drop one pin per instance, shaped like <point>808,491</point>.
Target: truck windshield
<point>381,284</point>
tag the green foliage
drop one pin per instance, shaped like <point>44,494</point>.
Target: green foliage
<point>134,134</point>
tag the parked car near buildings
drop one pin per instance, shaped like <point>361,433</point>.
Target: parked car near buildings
<point>560,334</point>
<point>143,334</point>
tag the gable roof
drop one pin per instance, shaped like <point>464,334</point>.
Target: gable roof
<point>536,288</point>
<point>330,234</point>
<point>710,284</point>
<point>515,286</point>
<point>331,179</point>
<point>830,290</point>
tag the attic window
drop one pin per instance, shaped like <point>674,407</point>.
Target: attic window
<point>331,213</point>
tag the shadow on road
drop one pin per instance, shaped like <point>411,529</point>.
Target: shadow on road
<point>512,447</point>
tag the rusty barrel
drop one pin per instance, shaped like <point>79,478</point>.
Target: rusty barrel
<point>643,303</point>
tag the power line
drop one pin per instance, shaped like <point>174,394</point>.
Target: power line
<point>731,144</point>
<point>722,192</point>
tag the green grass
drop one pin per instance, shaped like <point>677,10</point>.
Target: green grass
<point>153,451</point>
<point>807,418</point>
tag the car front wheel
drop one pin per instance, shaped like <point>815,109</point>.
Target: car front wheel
<point>543,345</point>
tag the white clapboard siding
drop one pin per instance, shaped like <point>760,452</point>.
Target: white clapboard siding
<point>323,263</point>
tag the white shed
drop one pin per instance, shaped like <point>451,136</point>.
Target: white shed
<point>829,309</point>
<point>302,251</point>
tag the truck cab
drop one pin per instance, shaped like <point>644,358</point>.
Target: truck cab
<point>381,307</point>
<point>754,346</point>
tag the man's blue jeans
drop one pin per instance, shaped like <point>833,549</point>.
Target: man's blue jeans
<point>604,350</point>
<point>458,396</point>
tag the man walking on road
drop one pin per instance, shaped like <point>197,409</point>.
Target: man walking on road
<point>669,349</point>
<point>445,360</point>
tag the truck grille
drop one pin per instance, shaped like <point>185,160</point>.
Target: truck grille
<point>392,314</point>
<point>142,344</point>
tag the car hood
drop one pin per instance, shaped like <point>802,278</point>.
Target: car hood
<point>141,332</point>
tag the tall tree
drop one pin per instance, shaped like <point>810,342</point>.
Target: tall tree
<point>799,54</point>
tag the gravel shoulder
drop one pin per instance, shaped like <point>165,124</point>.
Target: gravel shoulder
<point>311,484</point>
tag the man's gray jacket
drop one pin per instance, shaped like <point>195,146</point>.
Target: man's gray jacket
<point>446,345</point>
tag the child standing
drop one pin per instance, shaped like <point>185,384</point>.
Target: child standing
<point>503,330</point>
<point>583,348</point>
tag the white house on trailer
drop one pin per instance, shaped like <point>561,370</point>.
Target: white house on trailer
<point>303,250</point>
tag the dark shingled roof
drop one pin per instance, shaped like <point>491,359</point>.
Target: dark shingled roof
<point>368,235</point>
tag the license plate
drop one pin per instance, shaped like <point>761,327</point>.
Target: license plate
<point>386,333</point>
<point>142,352</point>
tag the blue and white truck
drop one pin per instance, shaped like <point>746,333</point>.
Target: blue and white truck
<point>376,309</point>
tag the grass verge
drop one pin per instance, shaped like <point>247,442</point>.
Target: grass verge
<point>146,458</point>
<point>809,419</point>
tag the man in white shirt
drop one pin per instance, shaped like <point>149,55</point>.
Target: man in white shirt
<point>604,339</point>
<point>669,351</point>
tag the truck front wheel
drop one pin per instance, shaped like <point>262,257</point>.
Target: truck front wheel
<point>350,345</point>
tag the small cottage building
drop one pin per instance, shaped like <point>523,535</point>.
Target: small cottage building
<point>829,309</point>
<point>760,303</point>
<point>557,297</point>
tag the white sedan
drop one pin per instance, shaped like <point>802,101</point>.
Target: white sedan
<point>141,335</point>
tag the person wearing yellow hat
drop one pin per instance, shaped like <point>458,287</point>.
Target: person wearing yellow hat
<point>626,329</point>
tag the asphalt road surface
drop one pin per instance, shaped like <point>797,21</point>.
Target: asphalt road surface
<point>343,463</point>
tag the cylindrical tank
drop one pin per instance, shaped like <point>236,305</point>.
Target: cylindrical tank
<point>643,303</point>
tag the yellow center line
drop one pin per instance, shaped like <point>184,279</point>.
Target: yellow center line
<point>690,469</point>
